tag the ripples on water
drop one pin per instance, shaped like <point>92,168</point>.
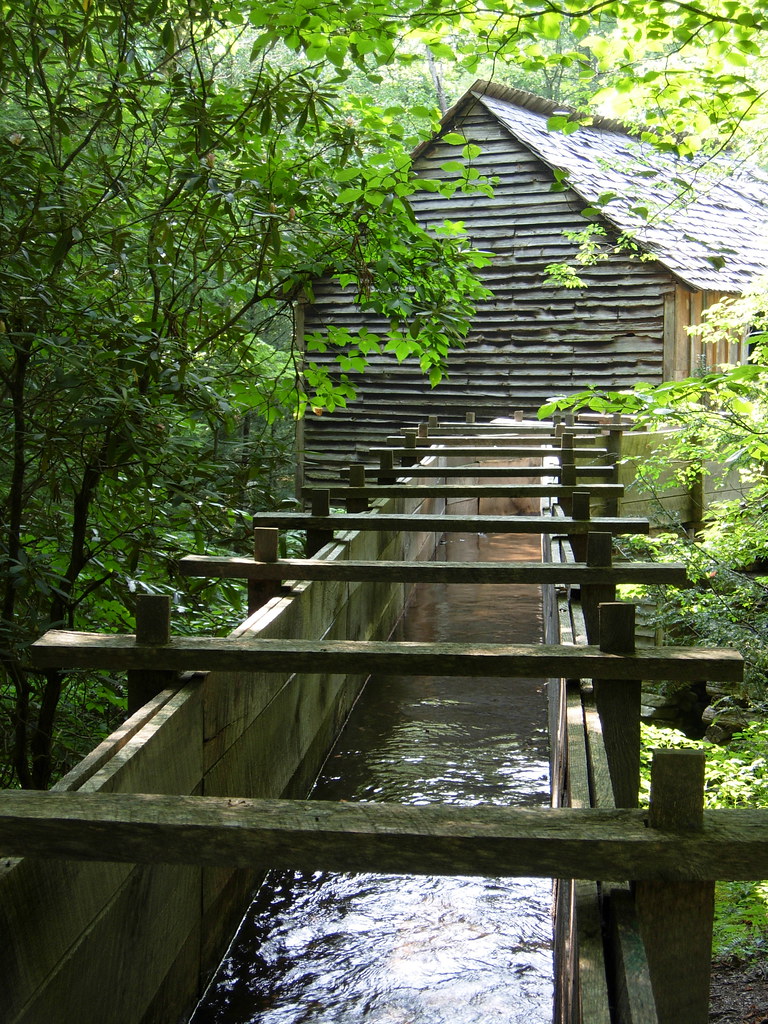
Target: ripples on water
<point>383,949</point>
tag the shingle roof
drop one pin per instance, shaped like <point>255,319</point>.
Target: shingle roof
<point>707,220</point>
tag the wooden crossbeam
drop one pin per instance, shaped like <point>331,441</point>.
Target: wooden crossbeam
<point>450,523</point>
<point>488,451</point>
<point>481,470</point>
<point>393,838</point>
<point>553,490</point>
<point>578,573</point>
<point>519,439</point>
<point>515,429</point>
<point>72,649</point>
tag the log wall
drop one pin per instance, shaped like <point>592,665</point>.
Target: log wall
<point>110,943</point>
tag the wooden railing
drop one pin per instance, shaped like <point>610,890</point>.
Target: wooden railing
<point>672,853</point>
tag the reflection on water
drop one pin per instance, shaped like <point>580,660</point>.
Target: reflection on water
<point>338,949</point>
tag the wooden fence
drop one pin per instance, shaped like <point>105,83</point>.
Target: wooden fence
<point>137,864</point>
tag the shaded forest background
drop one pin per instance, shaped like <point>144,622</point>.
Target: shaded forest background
<point>172,179</point>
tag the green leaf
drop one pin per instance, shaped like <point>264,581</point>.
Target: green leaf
<point>550,25</point>
<point>351,195</point>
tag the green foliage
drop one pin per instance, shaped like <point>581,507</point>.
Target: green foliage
<point>170,183</point>
<point>727,602</point>
<point>174,176</point>
<point>735,776</point>
<point>712,425</point>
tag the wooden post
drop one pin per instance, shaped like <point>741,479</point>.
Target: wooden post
<point>357,479</point>
<point>676,917</point>
<point>697,502</point>
<point>153,627</point>
<point>633,991</point>
<point>581,505</point>
<point>409,442</point>
<point>387,473</point>
<point>432,422</point>
<point>422,431</point>
<point>580,509</point>
<point>265,549</point>
<point>519,415</point>
<point>567,469</point>
<point>613,454</point>
<point>321,506</point>
<point>599,550</point>
<point>618,704</point>
<point>615,433</point>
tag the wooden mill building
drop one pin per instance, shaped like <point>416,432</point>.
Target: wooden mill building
<point>698,232</point>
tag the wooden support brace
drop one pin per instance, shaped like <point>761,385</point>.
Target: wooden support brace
<point>618,704</point>
<point>676,917</point>
<point>153,626</point>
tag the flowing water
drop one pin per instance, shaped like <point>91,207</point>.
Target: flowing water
<point>384,949</point>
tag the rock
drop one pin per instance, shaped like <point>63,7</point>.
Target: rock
<point>722,724</point>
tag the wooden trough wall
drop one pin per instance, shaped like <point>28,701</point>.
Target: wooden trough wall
<point>108,943</point>
<point>674,501</point>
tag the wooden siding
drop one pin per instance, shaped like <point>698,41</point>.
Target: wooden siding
<point>685,354</point>
<point>532,340</point>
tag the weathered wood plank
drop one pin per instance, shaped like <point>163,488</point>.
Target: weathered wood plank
<point>435,839</point>
<point>484,470</point>
<point>432,572</point>
<point>517,439</point>
<point>492,450</point>
<point>632,985</point>
<point>98,650</point>
<point>467,490</point>
<point>449,523</point>
<point>545,428</point>
<point>592,981</point>
<point>588,957</point>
